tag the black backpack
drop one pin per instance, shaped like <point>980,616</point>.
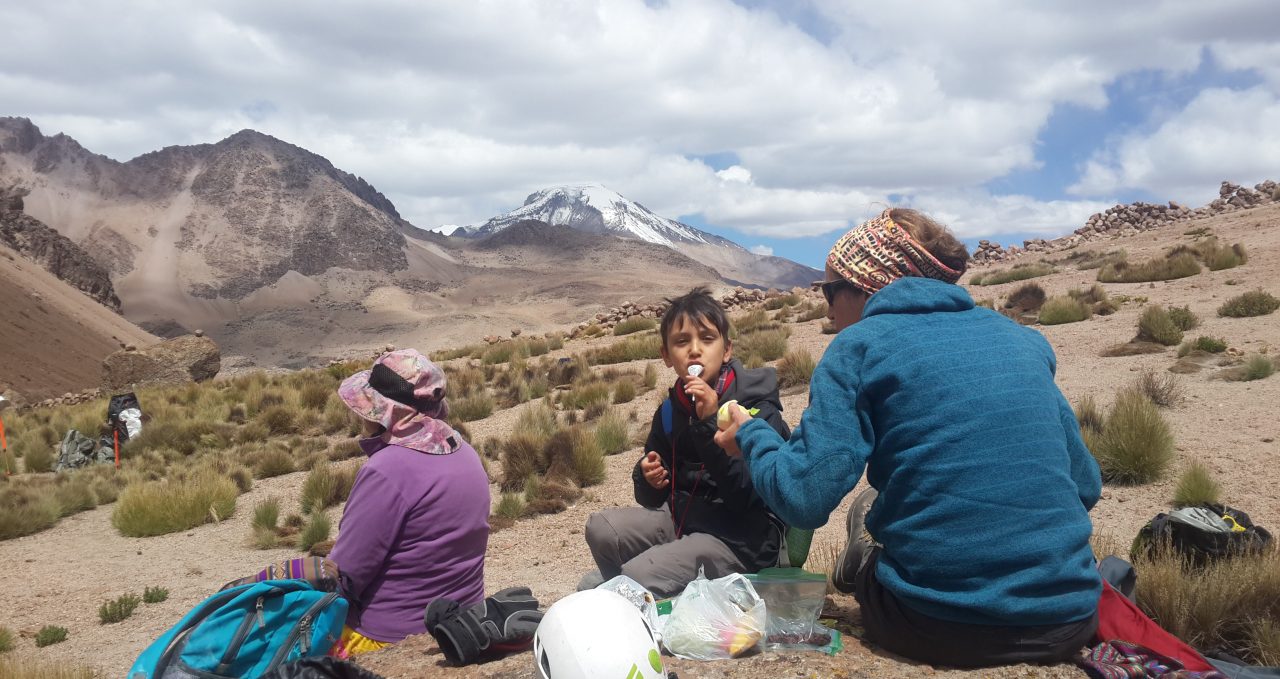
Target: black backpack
<point>1199,543</point>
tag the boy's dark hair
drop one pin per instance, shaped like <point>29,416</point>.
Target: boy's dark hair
<point>698,306</point>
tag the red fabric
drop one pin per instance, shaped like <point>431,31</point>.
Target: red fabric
<point>1119,618</point>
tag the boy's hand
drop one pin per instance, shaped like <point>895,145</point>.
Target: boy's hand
<point>654,472</point>
<point>705,399</point>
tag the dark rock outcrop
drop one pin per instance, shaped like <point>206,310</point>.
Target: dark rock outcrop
<point>53,251</point>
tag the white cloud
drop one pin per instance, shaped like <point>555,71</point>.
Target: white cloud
<point>458,110</point>
<point>1221,134</point>
<point>763,250</point>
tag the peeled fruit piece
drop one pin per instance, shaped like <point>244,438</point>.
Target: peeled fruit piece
<point>724,418</point>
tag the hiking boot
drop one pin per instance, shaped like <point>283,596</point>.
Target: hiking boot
<point>857,546</point>
<point>591,580</point>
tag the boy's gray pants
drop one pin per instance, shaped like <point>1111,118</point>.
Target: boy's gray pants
<point>641,544</point>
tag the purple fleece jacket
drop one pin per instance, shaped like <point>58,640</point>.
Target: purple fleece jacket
<point>414,529</point>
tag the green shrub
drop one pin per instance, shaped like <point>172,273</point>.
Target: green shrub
<point>118,609</point>
<point>1059,310</point>
<point>1213,345</point>
<point>1196,486</point>
<point>612,434</point>
<point>50,635</point>
<point>634,324</point>
<point>475,407</point>
<point>1136,445</point>
<point>795,368</point>
<point>1155,325</point>
<point>1255,303</point>
<point>6,640</point>
<point>316,530</point>
<point>768,345</point>
<point>1020,272</point>
<point>1158,269</point>
<point>1183,318</point>
<point>154,595</point>
<point>159,507</point>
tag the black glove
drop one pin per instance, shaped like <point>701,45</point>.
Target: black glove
<point>503,623</point>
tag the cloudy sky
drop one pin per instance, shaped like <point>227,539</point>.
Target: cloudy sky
<point>776,123</point>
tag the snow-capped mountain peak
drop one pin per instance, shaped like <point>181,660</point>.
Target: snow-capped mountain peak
<point>595,208</point>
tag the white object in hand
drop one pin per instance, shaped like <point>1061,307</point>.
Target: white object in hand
<point>694,371</point>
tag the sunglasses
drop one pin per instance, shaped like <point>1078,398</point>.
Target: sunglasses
<point>830,288</point>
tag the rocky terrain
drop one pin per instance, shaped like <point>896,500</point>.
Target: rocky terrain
<point>58,254</point>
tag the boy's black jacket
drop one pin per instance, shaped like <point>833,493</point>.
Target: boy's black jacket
<point>713,491</point>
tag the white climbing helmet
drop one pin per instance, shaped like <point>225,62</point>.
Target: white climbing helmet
<point>596,634</point>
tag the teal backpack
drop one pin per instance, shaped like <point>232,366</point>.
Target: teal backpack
<point>245,632</point>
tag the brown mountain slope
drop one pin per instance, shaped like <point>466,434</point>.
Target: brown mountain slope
<point>53,337</point>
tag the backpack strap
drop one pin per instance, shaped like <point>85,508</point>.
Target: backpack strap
<point>667,413</point>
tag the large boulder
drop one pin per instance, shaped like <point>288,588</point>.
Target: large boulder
<point>181,359</point>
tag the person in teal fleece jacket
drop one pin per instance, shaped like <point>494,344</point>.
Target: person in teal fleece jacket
<point>976,543</point>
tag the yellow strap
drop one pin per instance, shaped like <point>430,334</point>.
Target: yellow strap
<point>1235,527</point>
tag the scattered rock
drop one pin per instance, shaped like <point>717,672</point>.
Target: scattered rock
<point>182,359</point>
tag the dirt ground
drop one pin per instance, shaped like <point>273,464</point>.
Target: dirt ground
<point>60,576</point>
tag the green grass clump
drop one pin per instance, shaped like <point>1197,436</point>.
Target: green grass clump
<point>1213,345</point>
<point>815,312</point>
<point>1196,486</point>
<point>118,609</point>
<point>316,530</point>
<point>50,635</point>
<point>154,595</point>
<point>160,507</point>
<point>271,461</point>
<point>650,376</point>
<point>634,324</point>
<point>1136,444</point>
<point>1156,325</point>
<point>279,420</point>
<point>1089,415</point>
<point>1020,272</point>
<point>1180,265</point>
<point>612,434</point>
<point>470,351</point>
<point>795,368</point>
<point>266,514</point>
<point>6,640</point>
<point>1255,303</point>
<point>1059,310</point>
<point>25,510</point>
<point>1257,367</point>
<point>624,391</point>
<point>756,319</point>
<point>499,353</point>
<point>781,301</point>
<point>38,458</point>
<point>325,487</point>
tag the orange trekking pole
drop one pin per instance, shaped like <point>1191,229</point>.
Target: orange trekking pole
<point>4,448</point>
<point>115,436</point>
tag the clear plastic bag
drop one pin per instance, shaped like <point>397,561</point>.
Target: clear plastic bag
<point>794,599</point>
<point>715,619</point>
<point>639,597</point>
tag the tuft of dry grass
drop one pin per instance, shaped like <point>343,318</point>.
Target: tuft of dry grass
<point>1179,265</point>
<point>1026,298</point>
<point>326,485</point>
<point>1059,310</point>
<point>1019,272</point>
<point>6,640</point>
<point>1257,367</point>
<point>795,368</point>
<point>767,345</point>
<point>814,312</point>
<point>474,407</point>
<point>1135,444</point>
<point>634,324</point>
<point>1196,486</point>
<point>1089,415</point>
<point>612,434</point>
<point>1163,390</point>
<point>633,348</point>
<point>160,507</point>
<point>1132,348</point>
<point>27,668</point>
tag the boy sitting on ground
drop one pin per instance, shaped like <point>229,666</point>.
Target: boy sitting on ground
<point>698,507</point>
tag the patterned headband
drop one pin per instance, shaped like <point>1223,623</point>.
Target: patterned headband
<point>879,252</point>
